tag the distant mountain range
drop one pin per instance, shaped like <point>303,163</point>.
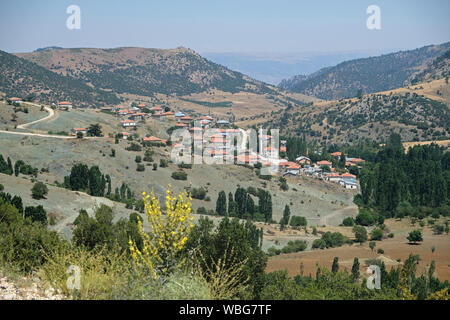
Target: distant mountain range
<point>436,69</point>
<point>366,75</point>
<point>144,72</point>
<point>272,68</point>
<point>96,77</point>
<point>22,78</point>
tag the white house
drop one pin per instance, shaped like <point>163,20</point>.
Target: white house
<point>65,105</point>
<point>16,100</point>
<point>128,123</point>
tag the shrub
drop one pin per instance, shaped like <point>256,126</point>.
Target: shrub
<point>140,167</point>
<point>272,251</point>
<point>39,190</point>
<point>163,163</point>
<point>134,147</point>
<point>365,218</point>
<point>23,242</point>
<point>185,165</point>
<point>348,222</point>
<point>36,214</point>
<point>294,246</point>
<point>169,234</point>
<point>179,175</point>
<point>198,193</point>
<point>319,244</point>
<point>377,234</point>
<point>415,236</point>
<point>297,221</point>
<point>201,210</point>
<point>360,234</point>
<point>438,229</point>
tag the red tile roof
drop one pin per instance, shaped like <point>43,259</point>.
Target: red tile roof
<point>152,139</point>
<point>336,154</point>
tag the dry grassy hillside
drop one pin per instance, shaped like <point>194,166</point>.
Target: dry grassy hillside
<point>417,113</point>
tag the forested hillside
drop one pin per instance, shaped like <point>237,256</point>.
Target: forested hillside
<point>398,184</point>
<point>145,71</point>
<point>374,116</point>
<point>22,78</point>
<point>366,75</point>
<point>439,68</point>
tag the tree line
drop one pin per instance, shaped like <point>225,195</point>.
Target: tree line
<point>398,183</point>
<point>241,204</point>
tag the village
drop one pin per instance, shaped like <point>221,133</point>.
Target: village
<point>216,140</point>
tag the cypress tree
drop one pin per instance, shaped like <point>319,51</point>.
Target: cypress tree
<point>221,204</point>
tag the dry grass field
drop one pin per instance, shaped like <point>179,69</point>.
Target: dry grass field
<point>395,248</point>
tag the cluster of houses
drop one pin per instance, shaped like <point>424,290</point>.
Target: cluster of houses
<point>323,170</point>
<point>220,148</point>
<point>61,105</point>
<point>134,115</point>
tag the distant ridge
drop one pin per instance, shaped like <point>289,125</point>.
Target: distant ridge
<point>367,75</point>
<point>47,49</point>
<point>145,72</point>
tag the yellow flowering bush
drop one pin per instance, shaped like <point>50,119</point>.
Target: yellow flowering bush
<point>168,232</point>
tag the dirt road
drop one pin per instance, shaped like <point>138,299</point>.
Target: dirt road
<point>52,115</point>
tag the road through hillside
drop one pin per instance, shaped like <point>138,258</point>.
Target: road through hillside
<point>51,116</point>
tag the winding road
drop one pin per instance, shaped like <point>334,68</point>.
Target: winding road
<point>51,116</point>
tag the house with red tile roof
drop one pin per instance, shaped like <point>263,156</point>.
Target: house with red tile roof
<point>332,177</point>
<point>128,123</point>
<point>185,119</point>
<point>336,154</point>
<point>154,140</point>
<point>15,100</point>
<point>125,135</point>
<point>348,176</point>
<point>123,112</point>
<point>324,163</point>
<point>74,131</point>
<point>64,105</point>
<point>138,116</point>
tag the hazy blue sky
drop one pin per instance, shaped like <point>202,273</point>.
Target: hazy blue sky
<point>225,26</point>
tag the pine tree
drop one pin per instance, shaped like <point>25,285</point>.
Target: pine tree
<point>96,182</point>
<point>108,181</point>
<point>10,167</point>
<point>221,204</point>
<point>231,205</point>
<point>355,269</point>
<point>335,266</point>
<point>286,216</point>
